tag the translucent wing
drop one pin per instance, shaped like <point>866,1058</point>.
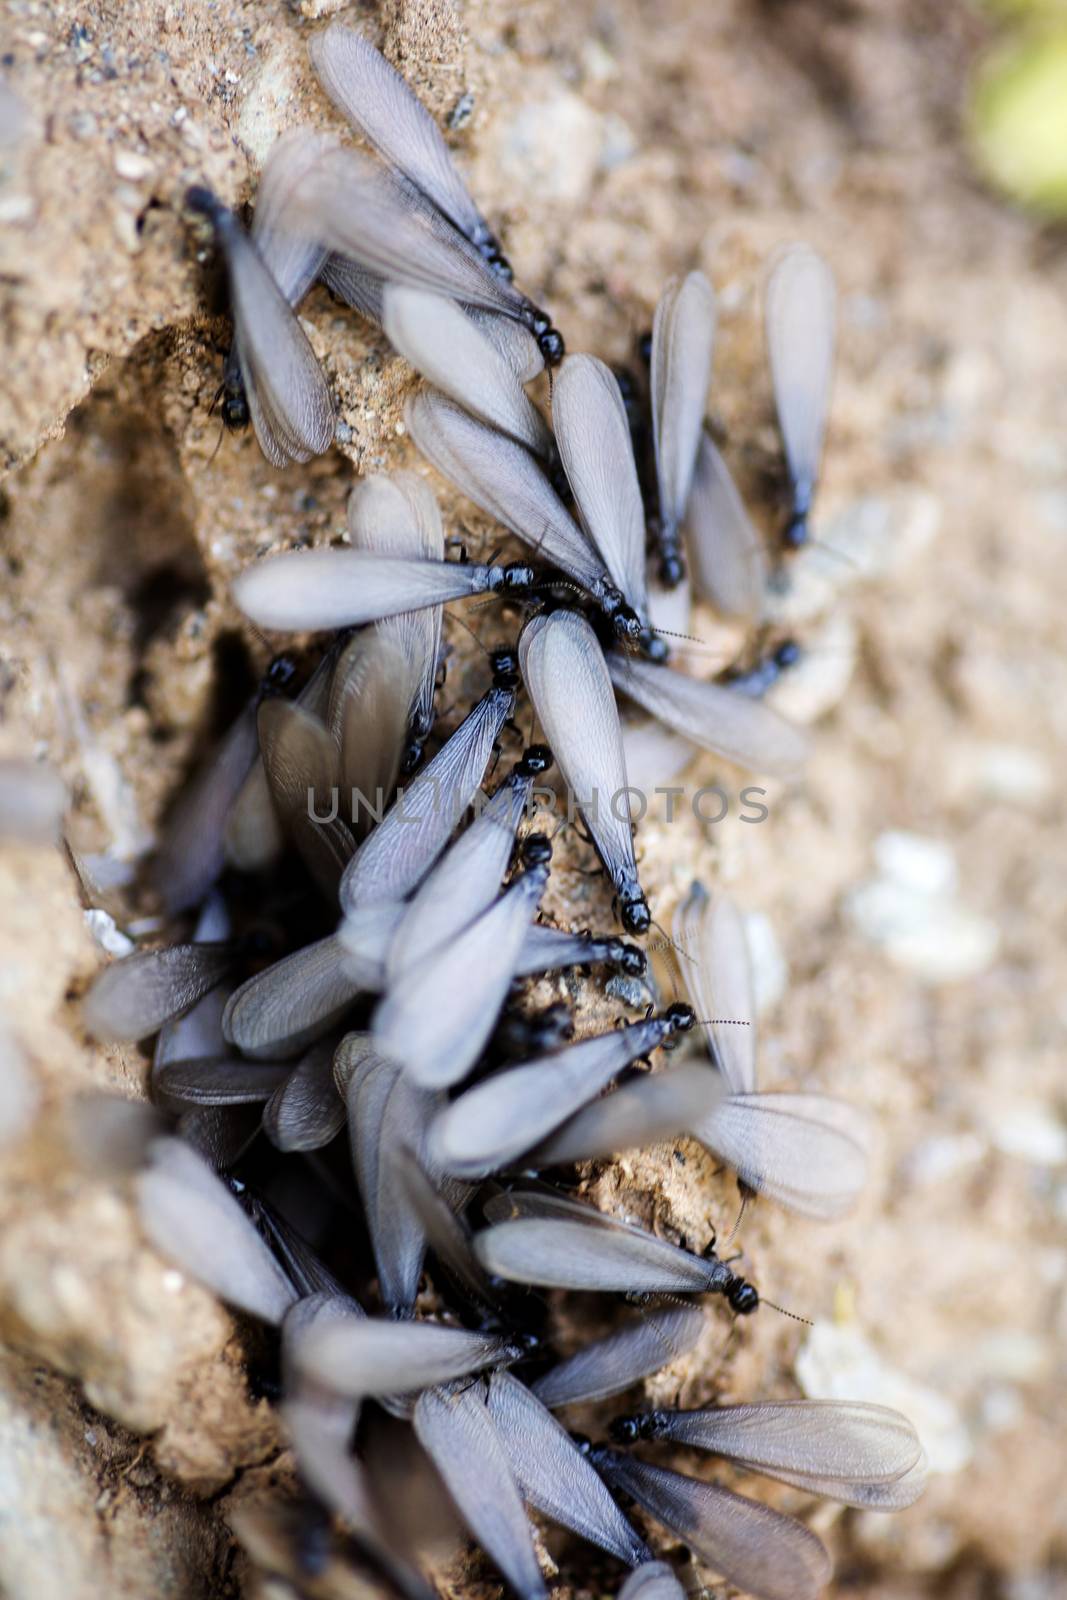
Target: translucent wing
<point>846,1450</point>
<point>654,755</point>
<point>557,1253</point>
<point>457,1432</point>
<point>191,1217</point>
<point>806,1151</point>
<point>398,515</point>
<point>373,690</point>
<point>283,1009</point>
<point>374,98</point>
<point>309,591</point>
<point>726,554</point>
<point>292,260</point>
<point>412,834</point>
<point>365,934</point>
<point>553,1475</point>
<point>465,881</point>
<point>254,839</point>
<point>193,849</point>
<point>595,446</point>
<point>358,288</point>
<point>683,333</point>
<point>438,1018</point>
<point>735,726</point>
<point>495,1122</point>
<point>768,1555</point>
<point>565,673</point>
<point>643,1111</point>
<point>301,763</point>
<point>385,1110</point>
<point>354,209</point>
<point>306,1111</point>
<point>447,1233</point>
<point>800,316</point>
<point>217,1082</point>
<point>134,997</point>
<point>506,482</point>
<point>717,973</point>
<point>515,343</point>
<point>379,1356</point>
<point>451,352</point>
<point>653,1581</point>
<point>610,1365</point>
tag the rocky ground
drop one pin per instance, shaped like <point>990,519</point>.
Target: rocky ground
<point>908,901</point>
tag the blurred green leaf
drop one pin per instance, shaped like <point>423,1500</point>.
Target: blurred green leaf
<point>1018,118</point>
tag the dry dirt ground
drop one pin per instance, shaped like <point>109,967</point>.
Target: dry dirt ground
<point>908,898</point>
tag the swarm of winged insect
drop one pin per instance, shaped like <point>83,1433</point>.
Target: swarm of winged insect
<point>371,1151</point>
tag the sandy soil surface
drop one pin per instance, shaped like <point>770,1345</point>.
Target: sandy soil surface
<point>908,900</point>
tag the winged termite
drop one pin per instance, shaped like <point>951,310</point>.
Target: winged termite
<point>192,1218</point>
<point>508,484</point>
<point>438,1017</point>
<point>808,1151</point>
<point>546,949</point>
<point>192,852</point>
<point>683,332</point>
<point>366,933</point>
<point>310,591</point>
<point>553,1474</point>
<point>447,1235</point>
<point>560,1244</point>
<point>768,1555</point>
<point>726,556</point>
<point>864,1455</point>
<point>494,1123</point>
<point>732,725</point>
<point>610,1365</point>
<point>455,1428</point>
<point>593,437</point>
<point>385,1109</point>
<point>800,314</point>
<point>379,104</point>
<point>468,876</point>
<point>288,396</point>
<point>378,1356</point>
<point>569,684</point>
<point>394,859</point>
<point>135,996</point>
<point>356,209</point>
<point>450,351</point>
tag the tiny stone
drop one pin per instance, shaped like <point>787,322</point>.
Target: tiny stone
<point>1032,1133</point>
<point>129,164</point>
<point>915,862</point>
